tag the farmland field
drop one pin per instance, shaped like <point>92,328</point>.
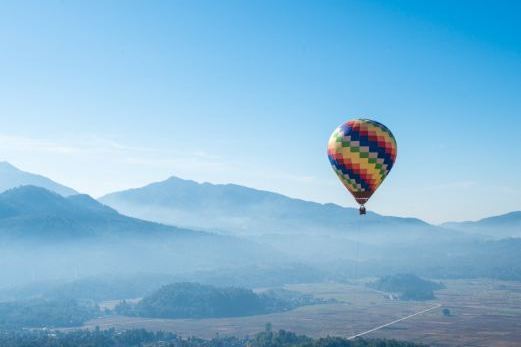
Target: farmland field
<point>482,313</point>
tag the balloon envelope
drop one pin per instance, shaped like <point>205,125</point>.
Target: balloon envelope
<point>362,153</point>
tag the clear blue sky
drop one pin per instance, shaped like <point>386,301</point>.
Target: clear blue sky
<point>107,95</point>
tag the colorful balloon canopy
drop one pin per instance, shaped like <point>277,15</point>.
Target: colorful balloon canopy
<point>362,153</point>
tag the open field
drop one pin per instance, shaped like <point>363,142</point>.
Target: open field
<point>483,313</point>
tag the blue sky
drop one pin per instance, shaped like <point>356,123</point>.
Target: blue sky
<point>107,95</point>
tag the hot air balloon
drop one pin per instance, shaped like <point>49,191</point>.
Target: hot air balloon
<point>362,153</point>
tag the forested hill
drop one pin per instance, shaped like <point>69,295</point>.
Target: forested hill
<point>193,300</point>
<point>408,286</point>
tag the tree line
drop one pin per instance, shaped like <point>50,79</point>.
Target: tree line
<point>142,338</point>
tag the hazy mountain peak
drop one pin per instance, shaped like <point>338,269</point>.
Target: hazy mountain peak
<point>502,218</point>
<point>243,210</point>
<point>12,177</point>
<point>507,218</point>
<point>175,179</point>
<point>33,199</point>
<point>505,225</point>
<point>35,211</point>
<point>509,215</point>
<point>4,165</point>
<point>29,192</point>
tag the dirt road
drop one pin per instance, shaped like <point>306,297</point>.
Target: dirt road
<point>394,321</point>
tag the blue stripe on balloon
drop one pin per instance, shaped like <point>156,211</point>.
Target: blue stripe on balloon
<point>365,142</point>
<point>347,171</point>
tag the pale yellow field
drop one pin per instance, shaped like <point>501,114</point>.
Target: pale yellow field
<point>484,313</point>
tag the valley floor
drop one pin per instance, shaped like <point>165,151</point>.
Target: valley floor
<point>483,313</point>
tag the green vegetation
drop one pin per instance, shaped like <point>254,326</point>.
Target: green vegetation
<point>141,337</point>
<point>193,300</point>
<point>410,287</point>
<point>41,313</point>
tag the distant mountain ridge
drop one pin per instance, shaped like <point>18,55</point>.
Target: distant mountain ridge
<point>242,210</point>
<point>235,209</point>
<point>12,177</point>
<point>506,225</point>
<point>44,232</point>
<point>30,211</point>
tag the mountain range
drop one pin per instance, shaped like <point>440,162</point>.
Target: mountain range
<point>506,225</point>
<point>12,177</point>
<point>51,236</point>
<point>242,211</point>
<point>31,211</point>
<point>151,229</point>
